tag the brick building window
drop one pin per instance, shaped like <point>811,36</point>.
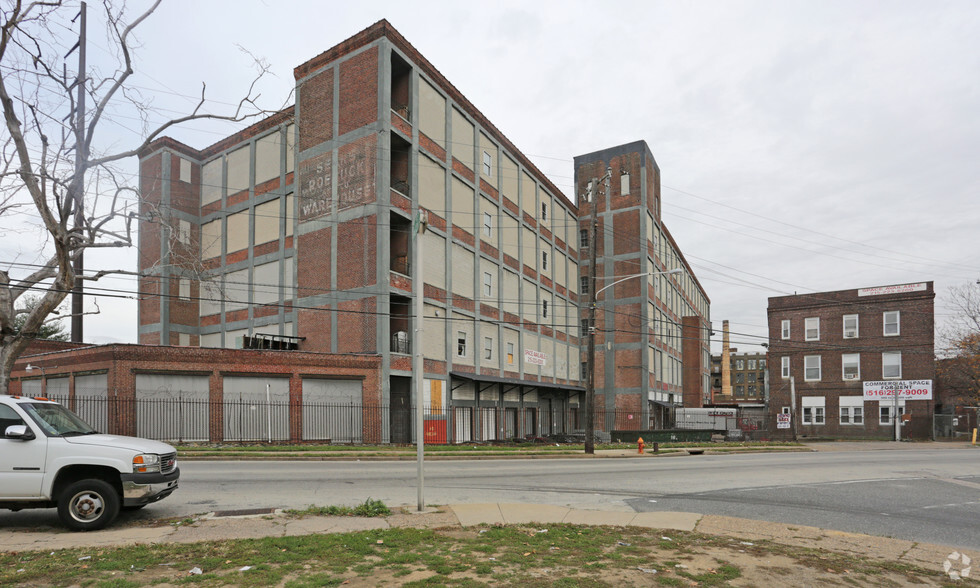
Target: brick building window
<point>811,368</point>
<point>785,367</point>
<point>739,364</point>
<point>851,410</point>
<point>785,329</point>
<point>885,412</point>
<point>751,364</point>
<point>510,354</point>
<point>544,261</point>
<point>487,224</point>
<point>487,348</point>
<point>812,326</point>
<point>851,366</point>
<point>891,365</point>
<point>487,284</point>
<point>850,326</point>
<point>890,322</point>
<point>583,238</point>
<point>461,343</point>
<point>487,164</point>
<point>813,410</point>
<point>583,284</point>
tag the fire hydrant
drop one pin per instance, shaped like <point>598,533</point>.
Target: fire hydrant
<point>639,444</point>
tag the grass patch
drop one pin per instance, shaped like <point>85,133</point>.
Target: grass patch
<point>369,508</point>
<point>526,556</point>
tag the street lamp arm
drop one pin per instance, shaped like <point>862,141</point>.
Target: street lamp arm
<point>676,270</point>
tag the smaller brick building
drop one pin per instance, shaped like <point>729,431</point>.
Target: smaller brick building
<point>830,343</point>
<point>213,395</point>
<point>748,373</point>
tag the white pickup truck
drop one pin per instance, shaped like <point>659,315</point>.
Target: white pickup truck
<point>50,457</point>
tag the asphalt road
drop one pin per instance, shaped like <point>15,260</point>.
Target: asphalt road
<point>926,495</point>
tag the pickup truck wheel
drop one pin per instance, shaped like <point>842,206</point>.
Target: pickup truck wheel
<point>88,505</point>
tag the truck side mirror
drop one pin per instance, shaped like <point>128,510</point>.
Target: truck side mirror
<point>22,432</point>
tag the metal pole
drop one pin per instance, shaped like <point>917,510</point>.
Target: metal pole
<point>268,410</point>
<point>898,425</point>
<point>418,364</point>
<point>81,154</point>
<point>792,404</point>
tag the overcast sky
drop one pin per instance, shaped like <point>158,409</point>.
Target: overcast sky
<point>803,146</point>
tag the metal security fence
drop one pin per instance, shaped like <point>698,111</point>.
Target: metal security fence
<point>954,426</point>
<point>187,418</point>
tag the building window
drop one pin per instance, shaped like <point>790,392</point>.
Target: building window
<point>739,378</point>
<point>785,329</point>
<point>184,288</point>
<point>544,261</point>
<point>891,365</point>
<point>885,411</point>
<point>812,328</point>
<point>460,343</point>
<point>583,284</point>
<point>739,391</point>
<point>751,364</point>
<point>785,367</point>
<point>762,364</point>
<point>851,366</point>
<point>585,327</point>
<point>487,164</point>
<point>811,368</point>
<point>850,326</point>
<point>487,224</point>
<point>583,238</point>
<point>813,410</point>
<point>184,231</point>
<point>739,364</point>
<point>851,410</point>
<point>487,284</point>
<point>544,211</point>
<point>750,377</point>
<point>891,323</point>
<point>751,390</point>
<point>487,348</point>
<point>624,184</point>
<point>544,309</point>
<point>510,354</point>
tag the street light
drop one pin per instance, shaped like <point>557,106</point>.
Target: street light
<point>590,380</point>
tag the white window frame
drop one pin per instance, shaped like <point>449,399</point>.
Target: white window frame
<point>807,359</point>
<point>784,367</point>
<point>785,329</point>
<point>583,238</point>
<point>855,359</point>
<point>885,407</point>
<point>811,324</point>
<point>813,410</point>
<point>487,224</point>
<point>488,348</point>
<point>891,354</point>
<point>510,353</point>
<point>897,322</point>
<point>856,333</point>
<point>851,410</point>
<point>583,285</point>
<point>487,284</point>
<point>462,342</point>
<point>487,163</point>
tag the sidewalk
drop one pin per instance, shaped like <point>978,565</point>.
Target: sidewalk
<point>212,528</point>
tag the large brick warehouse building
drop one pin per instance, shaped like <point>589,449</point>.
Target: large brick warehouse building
<point>298,234</point>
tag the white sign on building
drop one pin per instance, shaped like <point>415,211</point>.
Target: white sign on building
<point>899,289</point>
<point>907,389</point>
<point>535,357</point>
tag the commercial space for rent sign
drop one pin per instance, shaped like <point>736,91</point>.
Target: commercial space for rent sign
<point>907,389</point>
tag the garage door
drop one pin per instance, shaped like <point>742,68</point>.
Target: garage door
<point>255,408</point>
<point>172,407</point>
<point>333,409</point>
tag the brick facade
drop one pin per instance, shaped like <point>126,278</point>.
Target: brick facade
<point>869,351</point>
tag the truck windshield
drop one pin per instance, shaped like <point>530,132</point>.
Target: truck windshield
<point>56,420</point>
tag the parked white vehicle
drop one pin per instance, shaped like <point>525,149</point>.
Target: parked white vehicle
<point>49,457</point>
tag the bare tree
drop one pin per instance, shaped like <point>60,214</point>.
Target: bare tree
<point>959,362</point>
<point>55,172</point>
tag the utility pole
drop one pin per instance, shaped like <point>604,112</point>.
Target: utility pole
<point>593,255</point>
<point>81,155</point>
<point>418,363</point>
<point>792,404</point>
